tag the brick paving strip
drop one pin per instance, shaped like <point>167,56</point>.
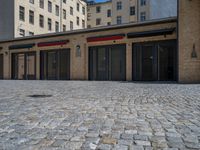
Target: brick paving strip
<point>83,115</point>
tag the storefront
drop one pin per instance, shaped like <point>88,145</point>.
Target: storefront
<point>55,64</point>
<point>155,61</point>
<point>24,66</point>
<point>1,66</point>
<point>107,63</point>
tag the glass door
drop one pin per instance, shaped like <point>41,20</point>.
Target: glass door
<point>102,64</point>
<point>52,66</point>
<point>30,66</point>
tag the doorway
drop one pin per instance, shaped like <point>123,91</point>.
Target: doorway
<point>55,65</point>
<point>107,63</point>
<point>155,61</point>
<point>24,66</point>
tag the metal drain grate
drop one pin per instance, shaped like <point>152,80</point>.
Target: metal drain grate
<point>39,96</point>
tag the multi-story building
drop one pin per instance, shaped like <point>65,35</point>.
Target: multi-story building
<point>31,17</point>
<point>126,11</point>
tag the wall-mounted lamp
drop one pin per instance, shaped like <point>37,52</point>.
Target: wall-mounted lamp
<point>194,53</point>
<point>78,51</point>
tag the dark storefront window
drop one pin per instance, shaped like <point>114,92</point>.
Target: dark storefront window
<point>156,61</point>
<point>107,63</point>
<point>24,66</point>
<point>55,65</point>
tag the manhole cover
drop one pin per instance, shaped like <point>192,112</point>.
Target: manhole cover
<point>39,96</point>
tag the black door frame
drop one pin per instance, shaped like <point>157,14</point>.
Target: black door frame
<point>108,49</point>
<point>13,67</point>
<point>57,53</point>
<point>1,66</point>
<point>156,61</point>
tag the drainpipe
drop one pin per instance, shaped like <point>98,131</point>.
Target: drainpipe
<point>138,1</point>
<point>61,8</point>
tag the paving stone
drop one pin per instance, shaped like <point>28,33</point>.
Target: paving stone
<point>106,115</point>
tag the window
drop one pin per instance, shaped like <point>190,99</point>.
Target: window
<point>119,5</point>
<point>31,33</point>
<point>64,1</point>
<point>83,24</point>
<point>57,10</point>
<point>41,21</point>
<point>77,6</point>
<point>83,10</point>
<point>21,32</point>
<point>77,21</point>
<point>49,24</point>
<point>56,26</point>
<point>119,19</point>
<point>31,1</point>
<point>71,11</point>
<point>132,10</point>
<point>42,4</point>
<point>49,6</point>
<point>108,13</point>
<point>31,17</point>
<point>21,13</point>
<point>143,2</point>
<point>142,16</point>
<point>64,14</point>
<point>98,9</point>
<point>71,25</point>
<point>98,21</point>
<point>64,27</point>
<point>108,23</point>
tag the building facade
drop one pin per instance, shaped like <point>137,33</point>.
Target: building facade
<point>31,17</point>
<point>127,11</point>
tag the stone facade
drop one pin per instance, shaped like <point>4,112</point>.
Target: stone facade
<point>189,41</point>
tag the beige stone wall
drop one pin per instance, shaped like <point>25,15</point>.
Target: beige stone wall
<point>189,35</point>
<point>79,65</point>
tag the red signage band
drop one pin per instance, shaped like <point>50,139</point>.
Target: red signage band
<point>108,38</point>
<point>52,43</point>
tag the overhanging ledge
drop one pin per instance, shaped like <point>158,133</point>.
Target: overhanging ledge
<point>151,33</point>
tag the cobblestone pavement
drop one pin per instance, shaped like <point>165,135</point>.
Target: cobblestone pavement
<point>99,115</point>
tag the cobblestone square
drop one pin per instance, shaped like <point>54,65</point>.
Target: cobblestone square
<point>84,115</point>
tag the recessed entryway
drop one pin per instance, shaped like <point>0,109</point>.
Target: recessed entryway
<point>155,61</point>
<point>107,63</point>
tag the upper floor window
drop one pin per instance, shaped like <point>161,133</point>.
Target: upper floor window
<point>71,11</point>
<point>71,25</point>
<point>98,9</point>
<point>98,21</point>
<point>41,21</point>
<point>78,6</point>
<point>132,10</point>
<point>57,10</point>
<point>41,3</point>
<point>57,26</point>
<point>64,14</point>
<point>119,19</point>
<point>49,6</point>
<point>21,13</point>
<point>143,2</point>
<point>31,1</point>
<point>83,10</point>
<point>31,33</point>
<point>119,5</point>
<point>77,21</point>
<point>21,32</point>
<point>64,27</point>
<point>31,17</point>
<point>49,24</point>
<point>83,24</point>
<point>108,13</point>
<point>142,16</point>
<point>64,1</point>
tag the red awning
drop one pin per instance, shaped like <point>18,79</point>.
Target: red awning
<point>53,43</point>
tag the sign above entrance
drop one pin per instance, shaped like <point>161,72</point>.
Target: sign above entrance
<point>106,38</point>
<point>52,43</point>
